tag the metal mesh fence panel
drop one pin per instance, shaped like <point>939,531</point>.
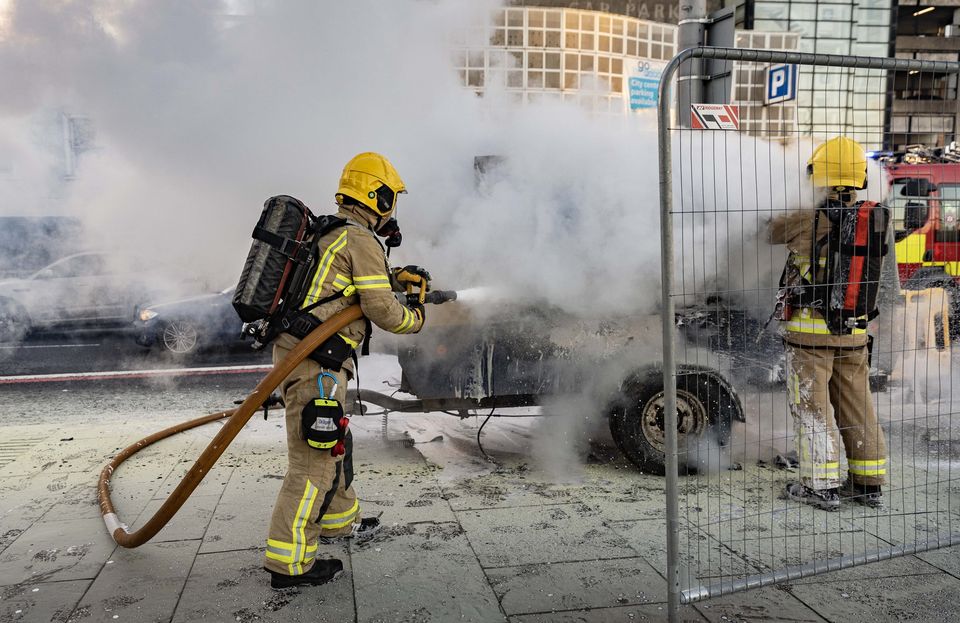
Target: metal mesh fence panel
<point>798,448</point>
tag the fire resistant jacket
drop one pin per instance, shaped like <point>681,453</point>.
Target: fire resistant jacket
<point>352,261</point>
<point>807,326</point>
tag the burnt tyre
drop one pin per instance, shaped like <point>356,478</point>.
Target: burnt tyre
<point>706,408</point>
<point>179,337</point>
<point>14,324</point>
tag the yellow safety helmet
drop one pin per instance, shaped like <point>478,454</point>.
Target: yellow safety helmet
<point>841,161</point>
<point>371,180</point>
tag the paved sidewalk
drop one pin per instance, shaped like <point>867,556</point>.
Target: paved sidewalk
<point>475,542</point>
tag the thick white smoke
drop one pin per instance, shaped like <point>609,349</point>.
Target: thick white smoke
<point>200,116</point>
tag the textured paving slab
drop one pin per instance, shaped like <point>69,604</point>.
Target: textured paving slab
<point>626,614</point>
<point>927,597</point>
<point>232,587</point>
<point>141,584</point>
<point>765,604</point>
<point>421,572</point>
<point>59,550</point>
<point>238,526</point>
<point>43,602</point>
<point>537,534</point>
<point>190,522</point>
<point>577,585</point>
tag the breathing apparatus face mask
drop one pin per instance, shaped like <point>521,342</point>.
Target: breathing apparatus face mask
<point>390,232</point>
<point>838,200</point>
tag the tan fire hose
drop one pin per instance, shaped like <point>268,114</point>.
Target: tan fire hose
<point>238,418</point>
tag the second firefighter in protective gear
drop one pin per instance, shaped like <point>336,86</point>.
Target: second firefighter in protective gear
<point>317,500</point>
<point>826,342</point>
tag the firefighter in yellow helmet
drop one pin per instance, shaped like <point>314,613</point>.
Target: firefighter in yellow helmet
<point>317,501</point>
<point>824,328</point>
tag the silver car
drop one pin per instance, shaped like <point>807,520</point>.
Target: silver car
<point>79,291</point>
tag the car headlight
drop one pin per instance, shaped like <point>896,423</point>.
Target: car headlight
<point>147,314</point>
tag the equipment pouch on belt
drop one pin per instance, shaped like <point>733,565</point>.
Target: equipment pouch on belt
<point>332,353</point>
<point>322,422</point>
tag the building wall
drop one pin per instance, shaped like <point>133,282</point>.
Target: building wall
<point>562,54</point>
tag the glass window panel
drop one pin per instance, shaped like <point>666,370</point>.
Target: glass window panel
<point>535,79</point>
<point>551,19</point>
<point>616,84</point>
<point>775,42</point>
<point>515,79</point>
<point>553,60</point>
<point>838,12</point>
<point>616,66</point>
<point>515,37</point>
<point>605,24</point>
<point>572,42</point>
<point>535,38</point>
<point>770,24</point>
<point>873,34</point>
<point>572,20</point>
<point>656,33</point>
<point>570,61</point>
<point>871,49</point>
<point>668,35</point>
<point>873,17</point>
<point>631,28</point>
<point>586,62</point>
<point>643,49</point>
<point>586,42</point>
<point>535,60</point>
<point>643,31</point>
<point>499,37</point>
<point>617,26</point>
<point>604,43</point>
<point>571,80</point>
<point>552,79</point>
<point>771,10</point>
<point>586,22</point>
<point>515,17</point>
<point>553,39</point>
<point>836,30</point>
<point>631,48</point>
<point>833,46</point>
<point>603,64</point>
<point>656,51</point>
<point>500,18</point>
<point>475,78</point>
<point>616,45</point>
<point>535,18</point>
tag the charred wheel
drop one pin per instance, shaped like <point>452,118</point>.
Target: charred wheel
<point>706,406</point>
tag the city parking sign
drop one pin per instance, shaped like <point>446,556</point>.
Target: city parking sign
<point>781,81</point>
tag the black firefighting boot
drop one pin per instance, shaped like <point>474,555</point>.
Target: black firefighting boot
<point>323,571</point>
<point>868,495</point>
<point>362,531</point>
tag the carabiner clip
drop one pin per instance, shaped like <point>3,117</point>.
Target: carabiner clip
<point>333,390</point>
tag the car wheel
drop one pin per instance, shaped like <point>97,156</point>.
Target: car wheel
<point>705,410</point>
<point>14,324</point>
<point>179,337</point>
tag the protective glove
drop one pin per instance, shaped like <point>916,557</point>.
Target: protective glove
<point>409,276</point>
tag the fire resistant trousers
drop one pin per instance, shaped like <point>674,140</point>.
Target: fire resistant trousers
<point>824,377</point>
<point>317,496</point>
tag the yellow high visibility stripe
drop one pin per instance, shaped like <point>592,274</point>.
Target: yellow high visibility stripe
<point>353,344</point>
<point>283,552</point>
<point>803,321</point>
<point>340,282</point>
<point>407,323</point>
<point>321,445</point>
<point>339,520</point>
<point>870,467</point>
<point>371,282</point>
<point>323,268</point>
<point>299,526</point>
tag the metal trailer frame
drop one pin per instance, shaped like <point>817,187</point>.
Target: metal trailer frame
<point>664,108</point>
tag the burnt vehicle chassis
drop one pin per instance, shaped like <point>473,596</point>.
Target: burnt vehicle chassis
<point>537,358</point>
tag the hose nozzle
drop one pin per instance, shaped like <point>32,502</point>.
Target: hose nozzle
<point>434,297</point>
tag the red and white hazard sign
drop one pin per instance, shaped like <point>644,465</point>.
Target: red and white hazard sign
<point>714,117</point>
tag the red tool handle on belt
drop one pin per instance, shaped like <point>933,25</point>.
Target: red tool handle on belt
<point>339,448</point>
